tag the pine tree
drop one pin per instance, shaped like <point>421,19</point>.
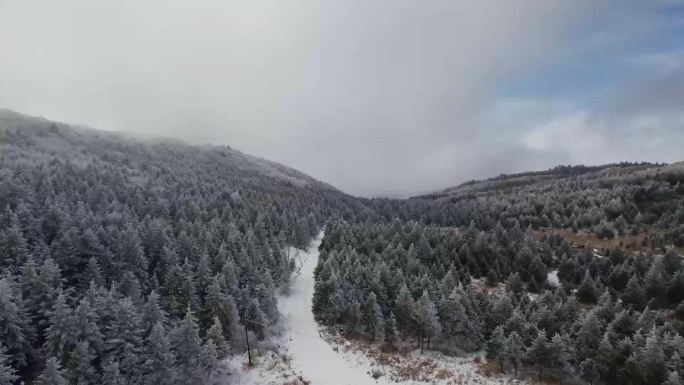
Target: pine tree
<point>131,366</point>
<point>559,356</point>
<point>230,319</point>
<point>514,351</point>
<point>130,254</point>
<point>354,317</point>
<point>8,375</point>
<point>496,347</point>
<point>13,250</point>
<point>221,305</point>
<point>80,365</point>
<point>52,374</point>
<point>587,291</point>
<point>85,326</point>
<point>537,353</point>
<point>93,273</point>
<point>515,285</point>
<point>634,294</point>
<point>589,335</point>
<point>123,334</point>
<point>605,310</point>
<point>672,262</point>
<point>675,363</point>
<point>187,347</point>
<point>391,331</point>
<point>215,334</point>
<point>675,291</point>
<point>673,379</point>
<point>59,333</point>
<point>589,371</point>
<point>40,287</point>
<point>255,319</point>
<point>130,287</point>
<point>204,275</point>
<point>652,359</point>
<point>112,376</point>
<point>501,310</point>
<point>15,329</point>
<point>655,283</point>
<point>267,300</point>
<point>427,319</point>
<point>208,358</point>
<point>159,360</point>
<point>404,310</point>
<point>153,313</point>
<point>372,317</point>
<point>458,329</point>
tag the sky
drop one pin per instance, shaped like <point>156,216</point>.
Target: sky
<point>376,97</point>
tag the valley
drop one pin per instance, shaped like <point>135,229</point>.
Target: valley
<point>145,261</point>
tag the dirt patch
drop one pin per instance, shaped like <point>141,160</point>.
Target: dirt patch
<point>488,368</point>
<point>404,363</point>
<point>635,243</point>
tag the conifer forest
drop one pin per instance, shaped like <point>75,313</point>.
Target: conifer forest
<point>146,262</point>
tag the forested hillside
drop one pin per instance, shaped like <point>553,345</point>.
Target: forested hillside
<point>128,261</point>
<point>608,201</point>
<point>521,266</point>
<point>139,261</point>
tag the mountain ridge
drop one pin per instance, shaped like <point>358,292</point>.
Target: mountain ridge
<point>12,122</point>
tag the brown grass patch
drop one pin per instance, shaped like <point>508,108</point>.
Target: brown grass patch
<point>639,243</point>
<point>443,374</point>
<point>488,368</point>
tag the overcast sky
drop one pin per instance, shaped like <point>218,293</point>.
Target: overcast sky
<point>390,97</point>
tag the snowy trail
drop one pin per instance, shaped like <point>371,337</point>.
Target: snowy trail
<point>313,357</point>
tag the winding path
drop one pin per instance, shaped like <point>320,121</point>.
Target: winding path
<point>313,357</point>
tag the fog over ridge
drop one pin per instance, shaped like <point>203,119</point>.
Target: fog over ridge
<point>375,99</point>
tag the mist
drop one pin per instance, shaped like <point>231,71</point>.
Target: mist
<point>377,98</point>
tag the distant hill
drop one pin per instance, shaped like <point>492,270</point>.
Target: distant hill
<point>44,139</point>
<point>506,181</point>
<point>621,201</point>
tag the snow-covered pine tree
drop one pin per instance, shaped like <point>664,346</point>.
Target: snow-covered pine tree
<point>537,354</point>
<point>8,375</point>
<point>405,310</point>
<point>496,347</point>
<point>52,374</point>
<point>255,319</point>
<point>391,331</point>
<point>187,347</point>
<point>16,332</point>
<point>112,376</point>
<point>58,336</point>
<point>372,319</point>
<point>159,360</point>
<point>514,351</point>
<point>80,369</point>
<point>215,334</point>
<point>587,292</point>
<point>589,371</point>
<point>427,319</point>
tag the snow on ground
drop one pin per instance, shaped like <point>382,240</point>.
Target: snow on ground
<point>307,354</point>
<point>312,356</point>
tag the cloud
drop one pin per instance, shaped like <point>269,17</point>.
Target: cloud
<point>375,97</point>
<point>641,120</point>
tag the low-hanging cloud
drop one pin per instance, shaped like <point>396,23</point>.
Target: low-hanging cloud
<point>374,97</point>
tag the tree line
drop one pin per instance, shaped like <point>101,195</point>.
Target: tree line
<point>617,319</point>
